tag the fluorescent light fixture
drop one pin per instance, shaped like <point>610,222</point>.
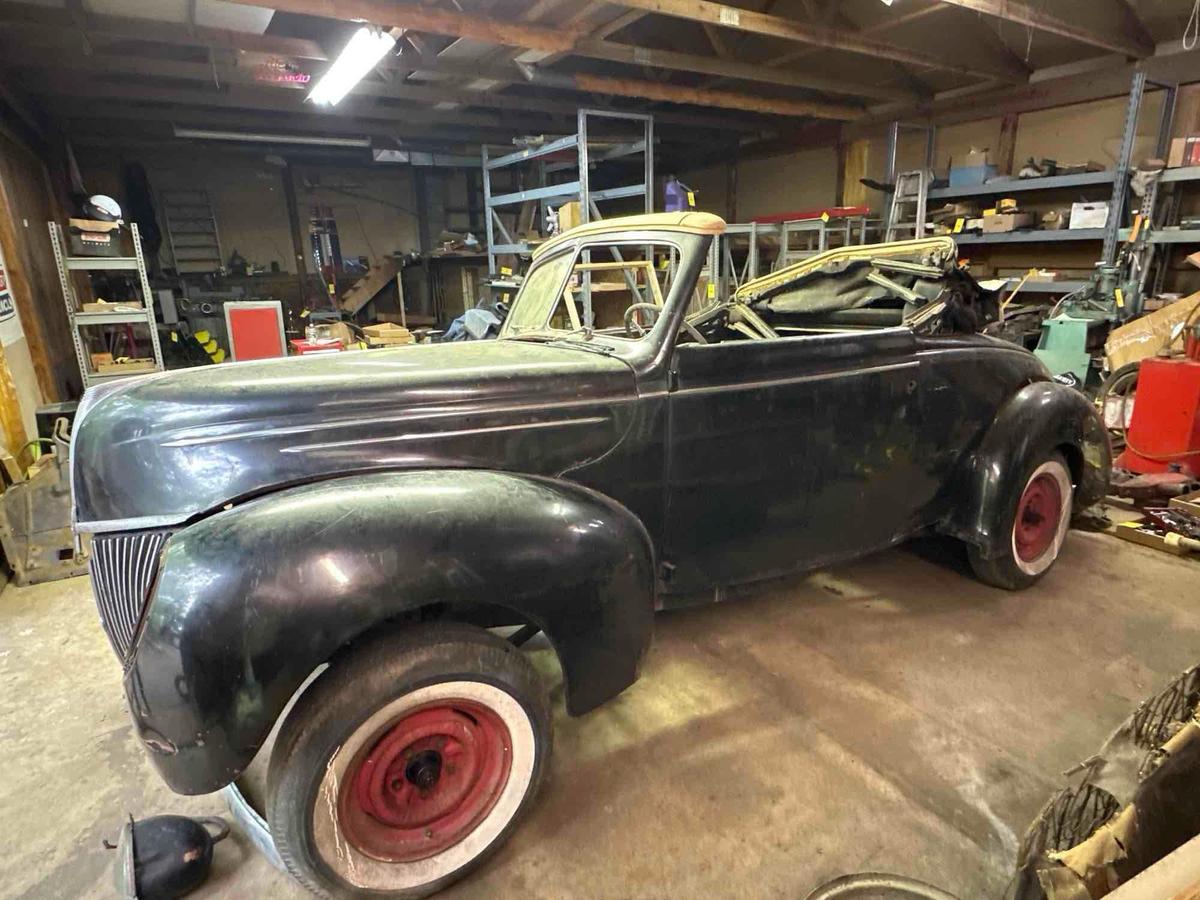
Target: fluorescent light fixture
<point>254,137</point>
<point>888,2</point>
<point>364,51</point>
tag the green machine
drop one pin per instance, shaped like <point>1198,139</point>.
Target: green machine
<point>1114,294</point>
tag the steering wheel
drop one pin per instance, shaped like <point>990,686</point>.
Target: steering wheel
<point>631,323</point>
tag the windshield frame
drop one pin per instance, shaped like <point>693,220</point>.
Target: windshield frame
<point>598,242</point>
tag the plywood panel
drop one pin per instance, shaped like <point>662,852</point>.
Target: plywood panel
<point>26,204</point>
<point>802,180</point>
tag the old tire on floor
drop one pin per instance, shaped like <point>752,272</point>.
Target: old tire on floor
<point>1037,521</point>
<point>408,762</point>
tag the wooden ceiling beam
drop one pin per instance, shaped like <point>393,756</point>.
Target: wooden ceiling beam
<point>815,34</point>
<point>28,18</point>
<point>910,14</point>
<point>385,132</point>
<point>1127,42</point>
<point>268,100</point>
<point>710,65</point>
<point>427,93</point>
<point>567,41</point>
<point>20,15</point>
<point>671,93</point>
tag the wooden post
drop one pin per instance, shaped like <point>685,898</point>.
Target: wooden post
<point>1008,144</point>
<point>22,294</point>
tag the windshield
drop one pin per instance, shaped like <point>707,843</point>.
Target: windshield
<point>610,288</point>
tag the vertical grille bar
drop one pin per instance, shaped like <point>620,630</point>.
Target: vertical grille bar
<point>122,568</point>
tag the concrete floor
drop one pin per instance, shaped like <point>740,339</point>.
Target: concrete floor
<point>886,715</point>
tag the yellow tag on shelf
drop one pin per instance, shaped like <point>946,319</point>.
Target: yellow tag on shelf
<point>958,224</point>
<point>1120,296</point>
<point>175,337</point>
<point>304,313</point>
<point>712,290</point>
<point>691,200</point>
<point>824,217</point>
<point>505,270</point>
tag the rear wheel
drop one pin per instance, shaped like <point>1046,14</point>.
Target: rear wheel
<point>1037,522</point>
<point>407,763</point>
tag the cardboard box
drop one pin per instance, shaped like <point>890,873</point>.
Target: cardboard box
<point>568,216</point>
<point>387,335</point>
<point>1002,222</point>
<point>88,237</point>
<point>1176,153</point>
<point>1089,215</point>
<point>964,176</point>
<point>1144,337</point>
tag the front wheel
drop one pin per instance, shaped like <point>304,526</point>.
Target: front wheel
<point>407,763</point>
<point>1036,522</point>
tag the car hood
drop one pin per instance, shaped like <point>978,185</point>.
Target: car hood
<point>157,450</point>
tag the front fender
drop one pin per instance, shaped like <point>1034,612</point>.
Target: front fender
<point>1034,422</point>
<point>250,601</point>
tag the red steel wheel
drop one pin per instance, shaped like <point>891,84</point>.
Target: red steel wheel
<point>427,781</point>
<point>1039,513</point>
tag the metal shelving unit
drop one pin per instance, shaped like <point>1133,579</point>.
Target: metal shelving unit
<point>144,316</point>
<point>1018,185</point>
<point>579,189</point>
<point>1033,237</point>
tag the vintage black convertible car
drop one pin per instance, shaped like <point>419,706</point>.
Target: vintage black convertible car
<point>633,438</point>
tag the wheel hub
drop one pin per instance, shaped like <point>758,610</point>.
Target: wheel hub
<point>426,781</point>
<point>1038,514</point>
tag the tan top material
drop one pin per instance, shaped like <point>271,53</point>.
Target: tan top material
<point>689,222</point>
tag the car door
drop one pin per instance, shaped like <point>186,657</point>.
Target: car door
<point>788,453</point>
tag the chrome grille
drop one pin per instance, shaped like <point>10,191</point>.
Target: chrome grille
<point>122,568</point>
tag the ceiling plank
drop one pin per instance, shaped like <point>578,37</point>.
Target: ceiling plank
<point>36,58</point>
<point>620,23</point>
<point>245,97</point>
<point>913,14</point>
<point>707,65</point>
<point>38,18</point>
<point>670,93</point>
<point>28,15</point>
<point>815,34</point>
<point>1128,42</point>
<point>1132,23</point>
<point>713,33</point>
<point>485,29</point>
<point>549,40</point>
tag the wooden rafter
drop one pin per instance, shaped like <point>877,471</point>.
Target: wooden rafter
<point>49,19</point>
<point>565,40</point>
<point>668,93</point>
<point>815,34</point>
<point>396,89</point>
<point>709,65</point>
<point>1128,42</point>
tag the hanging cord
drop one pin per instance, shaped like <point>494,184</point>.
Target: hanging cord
<point>1191,31</point>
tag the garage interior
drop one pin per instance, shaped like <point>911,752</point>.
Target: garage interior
<point>193,189</point>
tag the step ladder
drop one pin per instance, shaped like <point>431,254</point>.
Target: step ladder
<point>912,190</point>
<point>121,317</point>
<point>191,231</point>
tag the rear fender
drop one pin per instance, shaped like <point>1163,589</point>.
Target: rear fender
<point>1037,420</point>
<point>250,601</point>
